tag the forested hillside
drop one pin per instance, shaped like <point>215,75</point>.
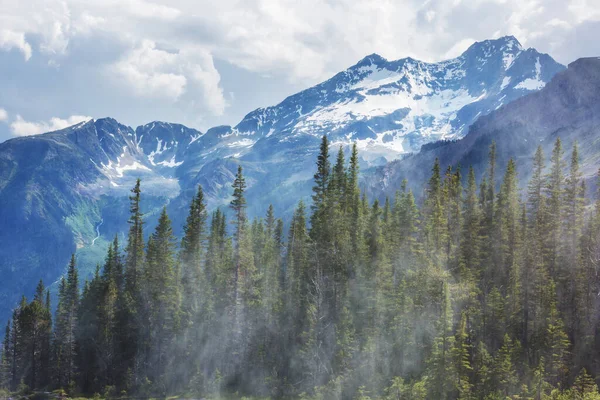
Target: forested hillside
<point>479,291</point>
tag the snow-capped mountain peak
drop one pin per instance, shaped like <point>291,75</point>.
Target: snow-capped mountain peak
<point>394,107</point>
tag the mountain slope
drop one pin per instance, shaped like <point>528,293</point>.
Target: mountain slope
<point>568,107</point>
<point>393,107</point>
<point>67,191</point>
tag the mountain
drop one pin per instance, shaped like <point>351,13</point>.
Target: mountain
<point>393,107</point>
<point>66,191</point>
<point>568,107</point>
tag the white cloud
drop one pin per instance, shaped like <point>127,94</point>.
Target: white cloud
<point>303,40</point>
<point>151,72</point>
<point>162,53</point>
<point>146,9</point>
<point>3,114</point>
<point>187,75</point>
<point>86,23</point>
<point>15,40</point>
<point>21,127</point>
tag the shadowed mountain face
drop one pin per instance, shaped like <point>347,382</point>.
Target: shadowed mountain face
<point>67,191</point>
<point>568,107</point>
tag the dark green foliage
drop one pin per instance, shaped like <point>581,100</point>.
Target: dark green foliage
<point>479,293</point>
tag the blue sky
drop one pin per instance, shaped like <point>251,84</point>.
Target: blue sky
<point>205,63</point>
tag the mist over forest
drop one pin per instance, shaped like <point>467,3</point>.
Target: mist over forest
<point>478,290</point>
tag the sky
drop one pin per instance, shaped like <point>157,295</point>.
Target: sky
<point>205,63</point>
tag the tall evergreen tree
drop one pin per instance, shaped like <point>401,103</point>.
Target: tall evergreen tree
<point>135,241</point>
<point>195,294</point>
<point>161,294</point>
<point>319,197</point>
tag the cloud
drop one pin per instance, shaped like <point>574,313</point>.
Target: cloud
<point>159,56</point>
<point>303,40</point>
<point>150,10</point>
<point>3,115</point>
<point>151,72</point>
<point>15,40</point>
<point>21,127</point>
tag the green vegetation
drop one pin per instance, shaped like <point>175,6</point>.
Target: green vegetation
<point>476,292</point>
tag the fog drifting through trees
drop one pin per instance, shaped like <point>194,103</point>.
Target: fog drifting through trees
<point>476,290</point>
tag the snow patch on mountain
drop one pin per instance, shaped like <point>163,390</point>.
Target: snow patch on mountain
<point>534,83</point>
<point>124,163</point>
<point>171,163</point>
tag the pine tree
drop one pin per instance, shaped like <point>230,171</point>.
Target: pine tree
<point>574,204</point>
<point>405,243</point>
<point>483,367</point>
<point>536,184</point>
<point>462,357</point>
<point>507,234</point>
<point>135,242</point>
<point>131,312</point>
<point>534,272</point>
<point>238,205</point>
<point>161,293</point>
<point>488,205</point>
<point>109,288</point>
<point>554,188</point>
<point>66,325</point>
<point>91,374</point>
<point>16,342</point>
<point>470,244</point>
<point>443,369</point>
<point>5,360</point>
<point>491,185</point>
<point>339,180</point>
<point>270,260</point>
<point>320,190</point>
<point>298,266</point>
<point>436,223</point>
<point>36,323</point>
<point>572,223</point>
<point>452,192</point>
<point>219,271</point>
<point>353,211</point>
<point>584,384</point>
<point>194,287</point>
<point>504,368</point>
<point>556,344</point>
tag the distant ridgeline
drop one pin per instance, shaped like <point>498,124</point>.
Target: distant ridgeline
<point>478,293</point>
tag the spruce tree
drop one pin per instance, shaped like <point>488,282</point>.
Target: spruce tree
<point>238,205</point>
<point>462,359</point>
<point>470,244</point>
<point>436,232</point>
<point>161,291</point>
<point>194,287</point>
<point>554,189</point>
<point>5,360</point>
<point>319,197</point>
<point>135,242</point>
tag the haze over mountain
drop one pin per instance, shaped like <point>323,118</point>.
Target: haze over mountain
<point>67,191</point>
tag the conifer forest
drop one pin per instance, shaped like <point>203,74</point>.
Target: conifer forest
<point>472,289</point>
